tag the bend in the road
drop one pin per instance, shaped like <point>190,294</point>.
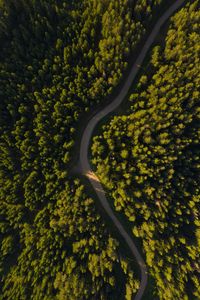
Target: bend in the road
<point>87,135</point>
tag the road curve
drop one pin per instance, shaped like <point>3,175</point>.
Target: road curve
<point>87,135</point>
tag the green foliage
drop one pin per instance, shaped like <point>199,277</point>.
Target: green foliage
<point>63,256</point>
<point>150,160</point>
<point>58,59</point>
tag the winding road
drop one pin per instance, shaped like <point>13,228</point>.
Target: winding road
<point>87,135</point>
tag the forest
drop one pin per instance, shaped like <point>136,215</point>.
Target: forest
<point>148,159</point>
<point>58,60</point>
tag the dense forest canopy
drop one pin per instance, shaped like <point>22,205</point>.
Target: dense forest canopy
<point>58,59</point>
<point>148,159</point>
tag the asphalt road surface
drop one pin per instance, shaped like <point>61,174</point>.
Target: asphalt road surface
<point>87,135</point>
